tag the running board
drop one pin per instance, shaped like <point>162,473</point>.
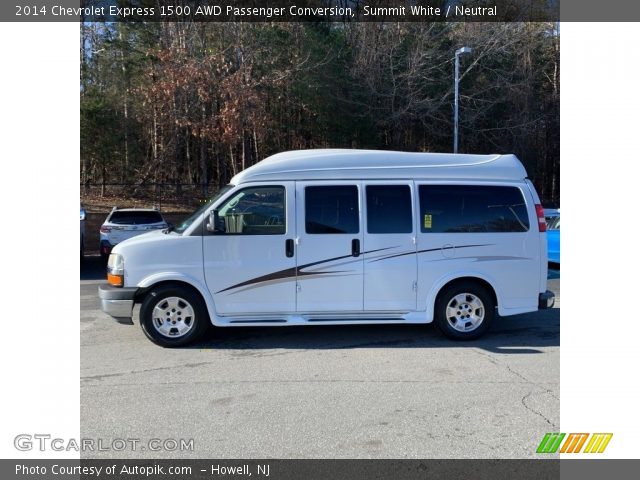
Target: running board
<point>326,319</point>
<point>259,321</point>
<point>355,319</point>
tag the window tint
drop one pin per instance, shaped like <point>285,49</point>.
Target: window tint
<point>255,211</point>
<point>331,209</point>
<point>472,208</point>
<point>389,209</point>
<point>135,218</point>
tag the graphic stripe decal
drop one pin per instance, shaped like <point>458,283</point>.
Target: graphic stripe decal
<point>294,271</point>
<point>429,250</point>
<point>297,271</point>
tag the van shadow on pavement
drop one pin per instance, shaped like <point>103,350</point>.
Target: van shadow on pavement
<point>520,334</point>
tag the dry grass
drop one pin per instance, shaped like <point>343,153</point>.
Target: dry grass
<point>104,204</point>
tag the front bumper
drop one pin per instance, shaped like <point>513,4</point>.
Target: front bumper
<point>117,302</point>
<point>546,300</point>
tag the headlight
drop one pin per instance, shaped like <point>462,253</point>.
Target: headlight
<point>115,270</point>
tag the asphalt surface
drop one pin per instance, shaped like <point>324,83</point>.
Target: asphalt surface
<point>378,391</point>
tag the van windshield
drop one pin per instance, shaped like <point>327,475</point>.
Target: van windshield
<point>189,220</point>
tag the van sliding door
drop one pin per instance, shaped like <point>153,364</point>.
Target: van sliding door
<point>329,250</point>
<point>390,264</point>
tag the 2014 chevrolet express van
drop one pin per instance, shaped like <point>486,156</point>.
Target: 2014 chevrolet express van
<point>343,237</point>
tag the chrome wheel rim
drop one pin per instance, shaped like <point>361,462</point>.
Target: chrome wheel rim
<point>465,312</point>
<point>173,317</point>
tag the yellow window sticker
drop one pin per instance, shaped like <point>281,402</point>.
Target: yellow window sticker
<point>427,221</point>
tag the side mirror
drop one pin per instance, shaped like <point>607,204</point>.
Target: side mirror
<point>214,225</point>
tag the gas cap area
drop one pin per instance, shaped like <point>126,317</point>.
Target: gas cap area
<point>448,251</point>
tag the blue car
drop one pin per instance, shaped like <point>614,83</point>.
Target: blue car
<point>553,238</point>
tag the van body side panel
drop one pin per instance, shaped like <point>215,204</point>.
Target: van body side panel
<point>507,260</point>
<point>246,268</point>
<point>155,256</point>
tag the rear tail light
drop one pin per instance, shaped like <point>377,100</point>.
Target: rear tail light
<point>542,224</point>
<point>104,229</point>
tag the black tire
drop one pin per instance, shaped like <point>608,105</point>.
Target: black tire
<point>199,322</point>
<point>469,305</point>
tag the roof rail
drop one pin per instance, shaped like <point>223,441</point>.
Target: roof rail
<point>115,207</point>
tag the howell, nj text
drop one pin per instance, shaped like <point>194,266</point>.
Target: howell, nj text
<point>243,469</point>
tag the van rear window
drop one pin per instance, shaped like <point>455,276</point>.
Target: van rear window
<point>472,209</point>
<point>135,218</point>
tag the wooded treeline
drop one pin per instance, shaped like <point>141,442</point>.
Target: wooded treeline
<point>194,103</point>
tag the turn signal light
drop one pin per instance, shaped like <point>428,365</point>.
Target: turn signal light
<point>115,280</point>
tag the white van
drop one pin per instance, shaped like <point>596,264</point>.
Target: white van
<point>328,237</point>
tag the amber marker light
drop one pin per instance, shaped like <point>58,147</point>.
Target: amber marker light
<point>115,270</point>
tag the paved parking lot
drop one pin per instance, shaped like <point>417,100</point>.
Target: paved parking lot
<point>379,391</point>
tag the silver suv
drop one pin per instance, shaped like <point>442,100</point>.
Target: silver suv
<point>124,223</point>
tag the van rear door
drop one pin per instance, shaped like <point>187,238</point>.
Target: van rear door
<point>542,241</point>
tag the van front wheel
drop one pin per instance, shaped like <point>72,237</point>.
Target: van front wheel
<point>464,311</point>
<point>172,316</point>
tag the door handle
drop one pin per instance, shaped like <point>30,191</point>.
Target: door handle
<point>355,247</point>
<point>288,247</point>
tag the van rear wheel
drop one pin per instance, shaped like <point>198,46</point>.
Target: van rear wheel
<point>173,316</point>
<point>464,310</point>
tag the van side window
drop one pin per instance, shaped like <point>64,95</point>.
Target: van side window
<point>472,209</point>
<point>331,209</point>
<point>255,211</point>
<point>389,209</point>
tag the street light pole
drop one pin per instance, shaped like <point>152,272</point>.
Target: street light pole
<point>456,81</point>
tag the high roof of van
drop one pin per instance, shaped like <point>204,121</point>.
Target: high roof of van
<point>336,164</point>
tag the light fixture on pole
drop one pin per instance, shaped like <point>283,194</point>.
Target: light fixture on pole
<point>456,81</point>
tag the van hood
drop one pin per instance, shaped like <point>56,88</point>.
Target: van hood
<point>145,240</point>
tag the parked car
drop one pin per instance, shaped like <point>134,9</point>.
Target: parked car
<point>124,223</point>
<point>339,237</point>
<point>553,238</point>
<point>551,213</point>
<point>83,216</point>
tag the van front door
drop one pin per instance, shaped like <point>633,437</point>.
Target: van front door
<point>250,263</point>
<point>329,251</point>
